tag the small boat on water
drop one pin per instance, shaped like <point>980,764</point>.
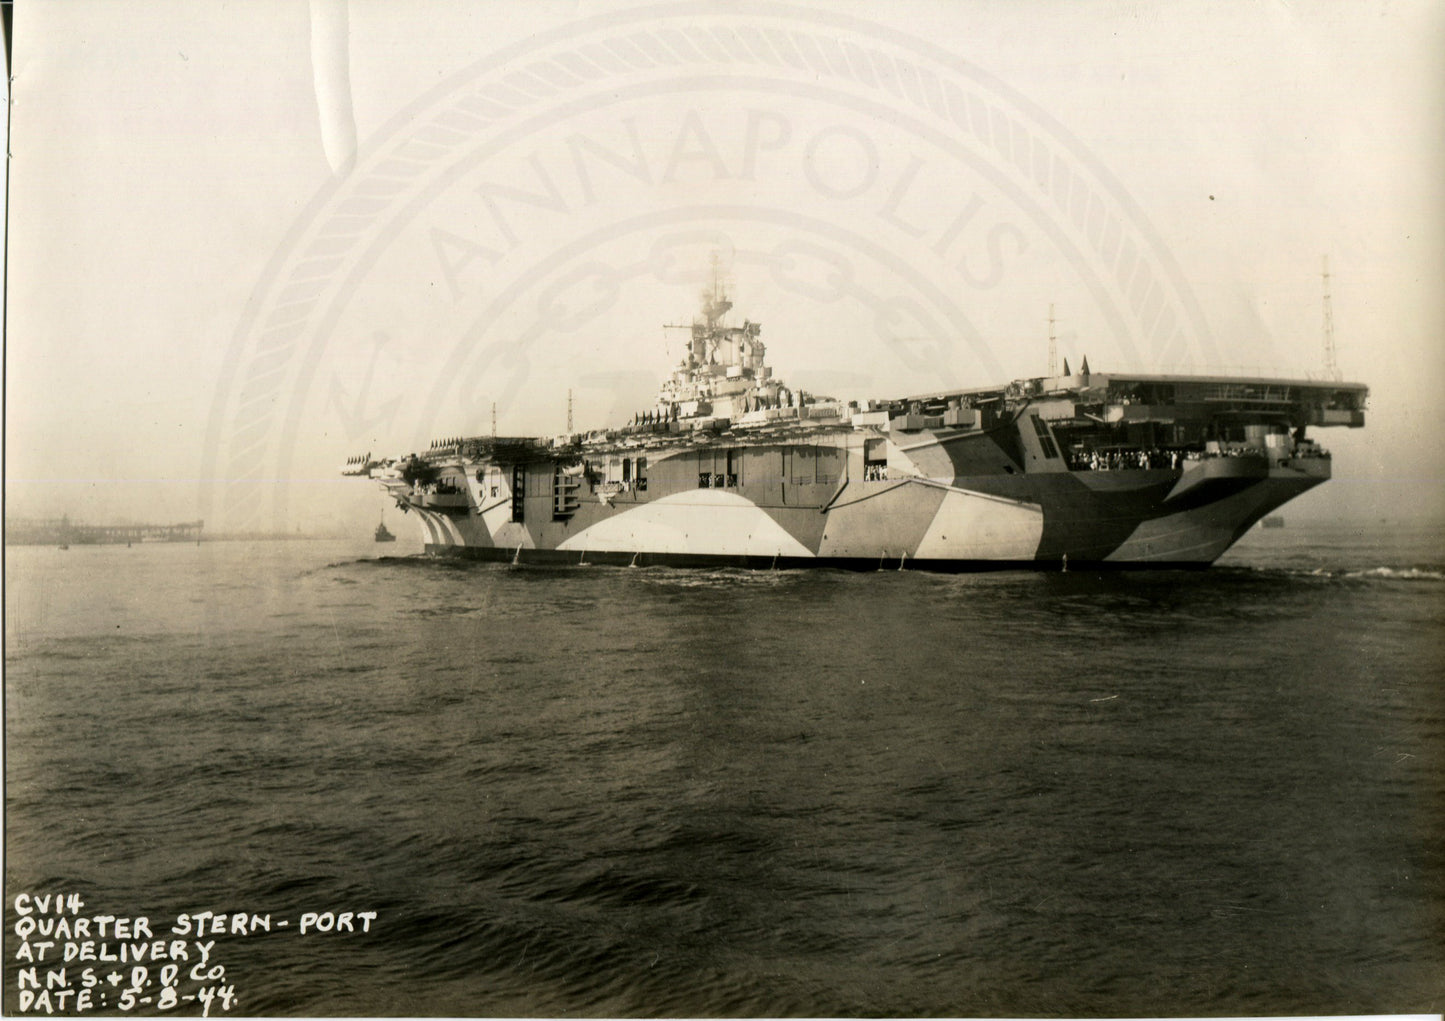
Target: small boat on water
<point>383,534</point>
<point>1273,521</point>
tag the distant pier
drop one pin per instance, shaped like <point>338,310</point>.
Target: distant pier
<point>64,532</point>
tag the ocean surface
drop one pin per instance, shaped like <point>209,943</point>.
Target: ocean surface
<point>612,791</point>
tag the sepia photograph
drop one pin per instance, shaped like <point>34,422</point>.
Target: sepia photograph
<point>682,508</point>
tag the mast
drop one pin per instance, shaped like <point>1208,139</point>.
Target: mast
<point>1053,344</point>
<point>715,303</point>
<point>1332,368</point>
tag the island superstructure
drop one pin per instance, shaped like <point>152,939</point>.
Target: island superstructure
<point>732,467</point>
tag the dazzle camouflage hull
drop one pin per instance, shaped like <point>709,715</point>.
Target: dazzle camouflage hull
<point>731,467</point>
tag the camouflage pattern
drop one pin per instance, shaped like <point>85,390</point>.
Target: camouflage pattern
<point>991,499</point>
<point>732,466</point>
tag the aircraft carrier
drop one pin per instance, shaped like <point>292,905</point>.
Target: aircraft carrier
<point>732,467</point>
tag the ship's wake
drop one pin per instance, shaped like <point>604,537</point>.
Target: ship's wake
<point>1352,574</point>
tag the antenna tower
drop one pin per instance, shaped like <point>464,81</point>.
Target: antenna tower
<point>569,410</point>
<point>1332,368</point>
<point>494,420</point>
<point>1053,344</point>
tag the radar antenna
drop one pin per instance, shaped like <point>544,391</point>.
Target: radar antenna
<point>1332,368</point>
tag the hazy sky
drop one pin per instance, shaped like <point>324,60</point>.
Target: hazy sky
<point>250,239</point>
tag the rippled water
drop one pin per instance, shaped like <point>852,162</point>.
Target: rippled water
<point>611,791</point>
